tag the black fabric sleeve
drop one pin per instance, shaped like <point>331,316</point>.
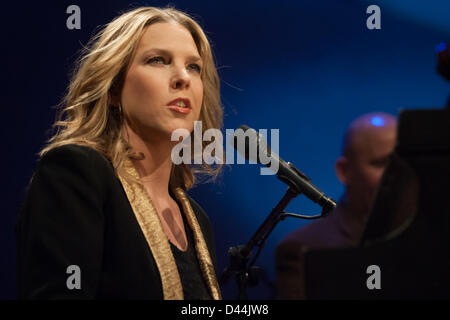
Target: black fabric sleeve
<point>61,224</point>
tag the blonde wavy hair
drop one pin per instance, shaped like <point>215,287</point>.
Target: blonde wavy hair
<point>88,117</point>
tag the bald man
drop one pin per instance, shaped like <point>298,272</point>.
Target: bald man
<point>367,144</point>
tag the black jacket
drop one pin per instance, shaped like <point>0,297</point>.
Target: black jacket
<point>76,212</point>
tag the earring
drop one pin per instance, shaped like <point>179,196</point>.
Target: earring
<point>120,109</point>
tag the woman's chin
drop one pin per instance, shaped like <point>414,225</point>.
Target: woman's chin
<point>165,131</point>
<point>180,126</point>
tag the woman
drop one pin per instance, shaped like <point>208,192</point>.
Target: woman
<point>106,215</point>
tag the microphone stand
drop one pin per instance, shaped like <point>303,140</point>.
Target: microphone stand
<point>247,275</point>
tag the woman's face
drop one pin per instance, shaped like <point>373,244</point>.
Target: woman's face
<point>163,90</point>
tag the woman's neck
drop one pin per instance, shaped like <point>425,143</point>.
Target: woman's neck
<point>155,168</point>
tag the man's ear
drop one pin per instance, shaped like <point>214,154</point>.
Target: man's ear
<point>341,168</point>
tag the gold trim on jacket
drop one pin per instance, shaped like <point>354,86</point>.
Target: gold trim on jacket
<point>158,243</point>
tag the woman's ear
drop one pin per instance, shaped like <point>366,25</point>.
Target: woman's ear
<point>341,168</point>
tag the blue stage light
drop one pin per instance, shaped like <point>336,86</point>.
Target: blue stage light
<point>440,47</point>
<point>377,121</point>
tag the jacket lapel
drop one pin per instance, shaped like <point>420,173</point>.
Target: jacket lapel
<point>158,243</point>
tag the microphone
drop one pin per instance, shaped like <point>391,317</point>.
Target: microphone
<point>286,171</point>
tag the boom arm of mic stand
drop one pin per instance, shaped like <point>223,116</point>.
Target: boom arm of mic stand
<point>240,255</point>
<point>270,221</point>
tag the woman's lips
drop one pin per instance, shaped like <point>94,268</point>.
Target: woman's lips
<point>180,109</point>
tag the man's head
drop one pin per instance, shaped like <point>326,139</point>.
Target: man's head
<point>368,142</point>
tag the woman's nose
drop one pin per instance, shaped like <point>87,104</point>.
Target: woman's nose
<point>180,78</point>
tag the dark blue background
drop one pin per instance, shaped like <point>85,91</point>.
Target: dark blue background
<point>307,68</point>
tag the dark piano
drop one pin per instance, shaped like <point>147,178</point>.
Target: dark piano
<point>408,231</point>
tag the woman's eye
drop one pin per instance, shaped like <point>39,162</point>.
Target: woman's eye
<point>157,60</point>
<point>195,67</point>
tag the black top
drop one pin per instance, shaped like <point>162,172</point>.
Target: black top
<point>194,284</point>
<point>76,212</point>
